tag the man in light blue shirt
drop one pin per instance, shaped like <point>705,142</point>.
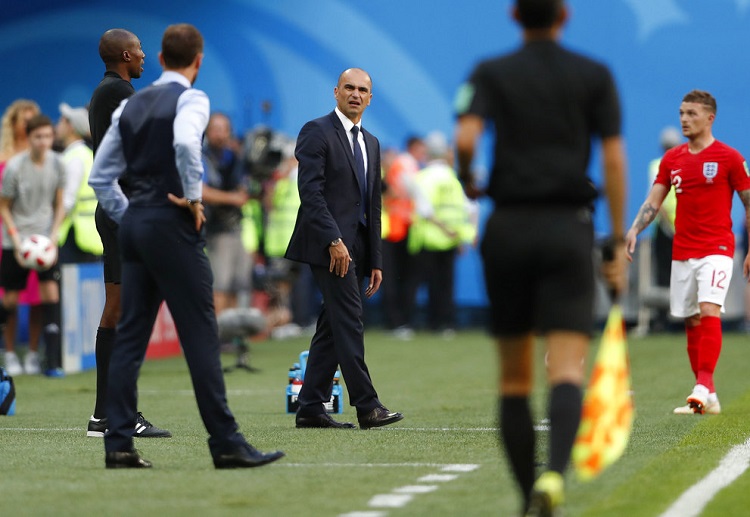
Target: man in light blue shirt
<point>152,151</point>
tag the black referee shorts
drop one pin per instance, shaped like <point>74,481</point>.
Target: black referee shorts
<point>107,229</point>
<point>539,270</point>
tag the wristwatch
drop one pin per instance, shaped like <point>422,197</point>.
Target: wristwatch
<point>335,242</point>
<point>194,201</point>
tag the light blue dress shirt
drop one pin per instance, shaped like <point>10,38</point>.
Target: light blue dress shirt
<point>193,111</point>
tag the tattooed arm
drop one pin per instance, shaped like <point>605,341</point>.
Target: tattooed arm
<point>645,216</point>
<point>745,197</point>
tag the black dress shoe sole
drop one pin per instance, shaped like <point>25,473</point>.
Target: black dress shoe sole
<point>317,423</point>
<point>237,464</point>
<point>380,423</point>
<point>128,465</point>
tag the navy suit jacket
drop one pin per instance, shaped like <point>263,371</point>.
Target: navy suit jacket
<point>330,195</point>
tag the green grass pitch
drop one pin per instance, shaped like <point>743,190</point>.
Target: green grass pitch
<point>446,390</point>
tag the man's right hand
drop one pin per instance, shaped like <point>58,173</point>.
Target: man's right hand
<point>340,259</point>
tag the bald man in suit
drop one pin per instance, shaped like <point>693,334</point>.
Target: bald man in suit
<point>338,234</point>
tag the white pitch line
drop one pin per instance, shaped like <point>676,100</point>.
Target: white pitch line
<point>401,496</point>
<point>457,467</point>
<point>390,500</point>
<point>442,466</point>
<point>416,489</point>
<point>692,502</point>
<point>437,478</point>
<point>41,429</point>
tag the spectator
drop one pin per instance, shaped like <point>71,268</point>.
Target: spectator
<point>79,240</point>
<point>31,203</point>
<point>398,208</point>
<point>441,224</point>
<point>224,193</point>
<point>664,227</point>
<point>13,140</point>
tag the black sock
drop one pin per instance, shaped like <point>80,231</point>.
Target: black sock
<point>105,341</point>
<point>517,433</point>
<point>51,333</point>
<point>564,418</point>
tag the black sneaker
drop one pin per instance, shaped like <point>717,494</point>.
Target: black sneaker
<point>97,427</point>
<point>145,429</point>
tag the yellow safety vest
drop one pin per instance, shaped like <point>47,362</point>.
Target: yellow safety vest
<point>281,217</point>
<point>81,216</point>
<point>251,214</point>
<point>669,205</point>
<point>439,184</point>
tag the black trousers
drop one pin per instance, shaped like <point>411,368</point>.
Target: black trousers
<point>339,338</point>
<point>398,299</point>
<point>436,269</point>
<point>163,259</point>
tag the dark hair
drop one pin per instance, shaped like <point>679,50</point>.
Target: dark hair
<point>701,97</point>
<point>36,122</point>
<point>180,44</point>
<point>538,14</point>
<point>413,140</point>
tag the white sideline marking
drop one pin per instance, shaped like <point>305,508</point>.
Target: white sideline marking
<point>416,489</point>
<point>460,468</point>
<point>437,478</point>
<point>390,500</point>
<point>40,429</point>
<point>401,496</point>
<point>692,502</point>
<point>372,465</point>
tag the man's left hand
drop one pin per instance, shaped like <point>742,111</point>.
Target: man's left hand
<point>376,277</point>
<point>196,208</point>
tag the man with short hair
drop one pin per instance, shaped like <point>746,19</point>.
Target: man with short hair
<point>337,233</point>
<point>546,104</point>
<point>123,58</point>
<point>705,173</point>
<point>154,146</point>
<point>31,203</point>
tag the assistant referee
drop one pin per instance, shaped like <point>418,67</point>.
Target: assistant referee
<point>546,103</point>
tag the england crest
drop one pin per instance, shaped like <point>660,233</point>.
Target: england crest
<point>710,170</point>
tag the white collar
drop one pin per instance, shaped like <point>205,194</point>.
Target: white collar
<point>348,124</point>
<point>168,76</point>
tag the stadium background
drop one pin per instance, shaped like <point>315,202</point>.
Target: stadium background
<point>288,53</point>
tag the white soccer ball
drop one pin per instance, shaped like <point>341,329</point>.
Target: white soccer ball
<point>38,252</point>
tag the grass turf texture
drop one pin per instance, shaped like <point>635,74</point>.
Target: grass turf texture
<point>446,390</point>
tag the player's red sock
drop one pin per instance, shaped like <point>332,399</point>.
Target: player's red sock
<point>708,353</point>
<point>693,343</point>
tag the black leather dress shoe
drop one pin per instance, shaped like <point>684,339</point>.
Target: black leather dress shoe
<point>378,417</point>
<point>321,421</point>
<point>244,457</point>
<point>125,460</point>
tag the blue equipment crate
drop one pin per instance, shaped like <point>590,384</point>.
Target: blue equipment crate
<point>296,378</point>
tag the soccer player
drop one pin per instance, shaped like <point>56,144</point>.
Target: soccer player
<point>705,173</point>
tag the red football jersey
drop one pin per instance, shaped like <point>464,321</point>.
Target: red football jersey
<point>704,184</point>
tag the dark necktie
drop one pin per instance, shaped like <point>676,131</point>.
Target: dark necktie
<point>359,162</point>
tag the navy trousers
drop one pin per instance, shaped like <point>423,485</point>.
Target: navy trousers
<point>163,259</point>
<point>339,338</point>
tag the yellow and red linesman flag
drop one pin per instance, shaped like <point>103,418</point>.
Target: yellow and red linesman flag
<point>607,417</point>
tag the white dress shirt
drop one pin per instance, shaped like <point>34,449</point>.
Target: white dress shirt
<point>348,125</point>
<point>193,110</point>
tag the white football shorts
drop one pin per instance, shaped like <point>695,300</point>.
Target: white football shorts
<point>699,280</point>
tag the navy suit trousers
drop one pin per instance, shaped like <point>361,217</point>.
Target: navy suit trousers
<point>163,259</point>
<point>339,337</point>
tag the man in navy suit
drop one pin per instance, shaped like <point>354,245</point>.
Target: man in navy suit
<point>338,233</point>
